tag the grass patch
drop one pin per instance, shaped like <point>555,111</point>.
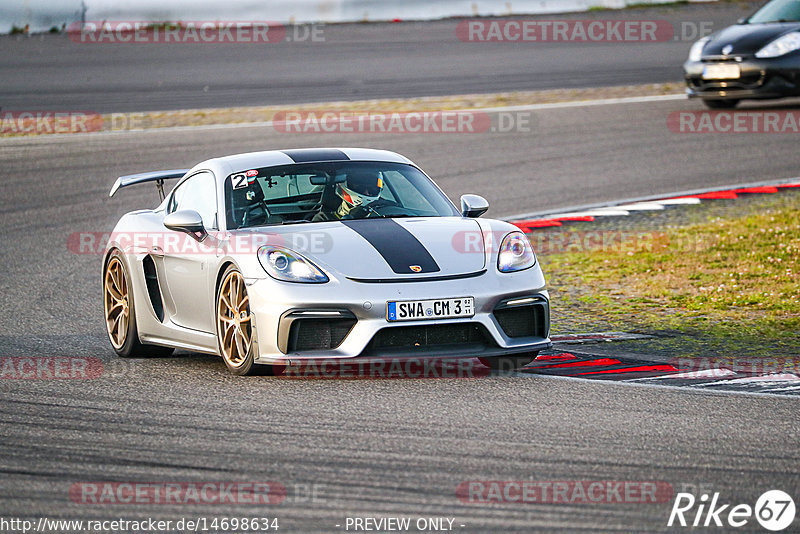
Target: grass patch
<point>735,278</point>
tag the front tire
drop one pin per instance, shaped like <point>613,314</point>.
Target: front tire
<point>120,313</point>
<point>508,363</point>
<point>234,327</point>
<point>721,104</point>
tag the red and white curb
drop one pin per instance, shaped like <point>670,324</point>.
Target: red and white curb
<point>777,375</point>
<point>531,223</point>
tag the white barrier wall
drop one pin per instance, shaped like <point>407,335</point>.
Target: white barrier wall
<point>42,15</point>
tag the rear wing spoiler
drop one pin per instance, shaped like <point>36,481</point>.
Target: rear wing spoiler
<point>155,176</point>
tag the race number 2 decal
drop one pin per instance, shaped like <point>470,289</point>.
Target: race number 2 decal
<point>239,181</point>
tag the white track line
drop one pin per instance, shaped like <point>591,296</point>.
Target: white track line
<point>700,375</point>
<point>270,124</point>
<point>765,380</point>
<point>584,103</point>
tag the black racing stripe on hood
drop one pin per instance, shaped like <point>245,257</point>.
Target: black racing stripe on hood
<point>397,245</point>
<point>313,155</point>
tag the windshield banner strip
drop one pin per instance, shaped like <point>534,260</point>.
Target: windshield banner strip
<point>313,155</point>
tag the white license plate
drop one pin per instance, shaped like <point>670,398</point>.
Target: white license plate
<point>414,310</point>
<point>724,71</point>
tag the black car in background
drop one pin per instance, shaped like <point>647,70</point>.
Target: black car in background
<point>757,58</point>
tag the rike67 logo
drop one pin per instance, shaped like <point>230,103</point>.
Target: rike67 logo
<point>774,510</point>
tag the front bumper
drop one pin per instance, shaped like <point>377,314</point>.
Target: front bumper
<point>359,310</point>
<point>760,79</point>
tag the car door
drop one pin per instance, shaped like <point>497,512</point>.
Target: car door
<point>187,264</point>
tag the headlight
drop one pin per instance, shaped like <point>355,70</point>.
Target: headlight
<point>696,52</point>
<point>283,264</point>
<point>516,253</point>
<point>780,46</point>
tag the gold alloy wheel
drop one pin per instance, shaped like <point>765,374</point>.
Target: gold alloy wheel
<point>233,320</point>
<point>117,305</point>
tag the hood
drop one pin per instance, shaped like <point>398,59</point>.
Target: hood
<point>388,248</point>
<point>747,39</point>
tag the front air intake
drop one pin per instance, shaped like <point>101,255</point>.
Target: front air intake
<point>523,318</point>
<point>318,334</point>
<point>422,336</point>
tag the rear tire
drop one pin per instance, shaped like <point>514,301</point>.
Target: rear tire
<point>508,363</point>
<point>721,104</point>
<point>120,313</point>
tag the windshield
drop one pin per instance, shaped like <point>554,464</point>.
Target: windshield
<point>777,11</point>
<point>314,192</point>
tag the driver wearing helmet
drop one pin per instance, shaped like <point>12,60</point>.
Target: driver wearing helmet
<point>361,188</point>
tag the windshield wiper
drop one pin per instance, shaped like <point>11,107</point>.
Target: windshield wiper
<point>295,222</point>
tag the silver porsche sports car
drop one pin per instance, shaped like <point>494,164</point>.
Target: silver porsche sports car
<point>280,256</point>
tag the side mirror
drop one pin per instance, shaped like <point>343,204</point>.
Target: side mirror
<point>742,20</point>
<point>188,221</point>
<point>473,206</point>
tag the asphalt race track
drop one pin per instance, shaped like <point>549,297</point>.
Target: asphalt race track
<point>355,61</point>
<point>362,447</point>
<point>374,447</point>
